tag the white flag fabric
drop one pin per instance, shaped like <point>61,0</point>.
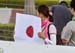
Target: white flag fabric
<point>27,28</point>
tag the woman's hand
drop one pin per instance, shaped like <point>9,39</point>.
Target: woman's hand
<point>41,35</point>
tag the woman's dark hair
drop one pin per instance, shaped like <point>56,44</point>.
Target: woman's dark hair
<point>72,4</point>
<point>45,11</point>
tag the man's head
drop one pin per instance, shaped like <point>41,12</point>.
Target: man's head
<point>63,3</point>
<point>73,7</point>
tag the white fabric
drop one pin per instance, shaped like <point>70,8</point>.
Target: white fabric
<point>23,21</point>
<point>52,29</point>
<point>52,32</point>
<point>48,41</point>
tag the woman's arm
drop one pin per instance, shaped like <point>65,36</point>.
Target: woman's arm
<point>52,32</point>
<point>46,40</point>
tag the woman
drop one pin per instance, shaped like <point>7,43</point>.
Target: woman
<point>47,26</point>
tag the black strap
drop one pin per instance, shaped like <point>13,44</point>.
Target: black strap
<point>48,30</point>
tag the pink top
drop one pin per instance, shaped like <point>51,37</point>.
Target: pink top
<point>45,24</point>
<point>52,32</point>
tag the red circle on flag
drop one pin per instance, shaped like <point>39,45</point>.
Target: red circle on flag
<point>30,31</point>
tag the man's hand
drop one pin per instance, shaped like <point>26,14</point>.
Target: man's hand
<point>64,41</point>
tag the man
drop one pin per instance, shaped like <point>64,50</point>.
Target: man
<point>61,15</point>
<point>68,33</point>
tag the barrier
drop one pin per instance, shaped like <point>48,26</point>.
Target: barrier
<point>19,47</point>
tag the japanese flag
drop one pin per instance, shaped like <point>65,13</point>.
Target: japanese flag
<point>27,28</point>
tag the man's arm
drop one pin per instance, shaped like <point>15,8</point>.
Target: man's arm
<point>66,34</point>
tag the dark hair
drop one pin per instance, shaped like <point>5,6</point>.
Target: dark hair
<point>64,3</point>
<point>72,4</point>
<point>45,11</point>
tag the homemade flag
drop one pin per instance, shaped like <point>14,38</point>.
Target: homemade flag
<point>27,28</point>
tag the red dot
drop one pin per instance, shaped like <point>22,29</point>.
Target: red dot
<point>30,31</point>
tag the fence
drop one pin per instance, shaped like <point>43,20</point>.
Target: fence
<point>16,47</point>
